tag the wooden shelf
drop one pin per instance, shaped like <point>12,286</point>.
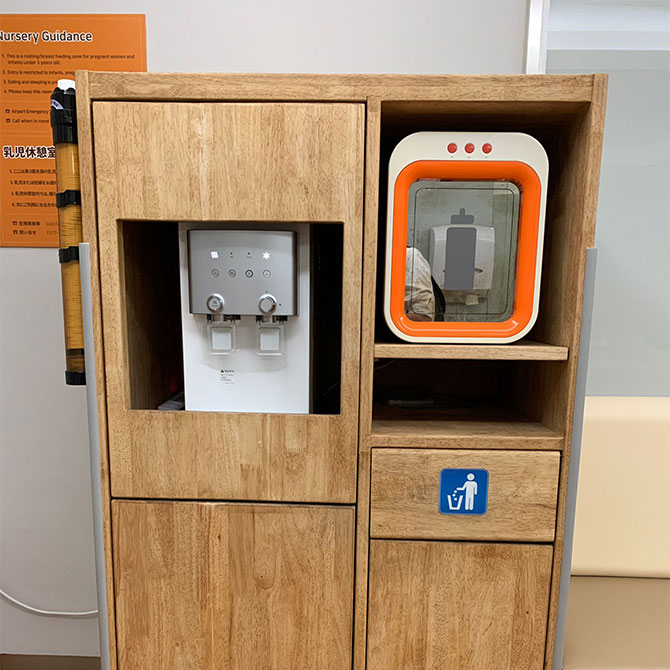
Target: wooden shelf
<point>479,427</point>
<point>524,350</point>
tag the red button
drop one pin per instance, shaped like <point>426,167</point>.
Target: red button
<point>469,148</point>
<point>452,147</point>
<point>486,148</point>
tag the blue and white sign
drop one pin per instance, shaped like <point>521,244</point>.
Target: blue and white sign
<point>464,491</point>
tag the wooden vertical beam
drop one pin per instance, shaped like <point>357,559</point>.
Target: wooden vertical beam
<point>371,223</point>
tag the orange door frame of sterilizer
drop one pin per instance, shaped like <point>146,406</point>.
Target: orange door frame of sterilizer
<point>530,235</point>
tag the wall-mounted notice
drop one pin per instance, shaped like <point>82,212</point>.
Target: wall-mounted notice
<point>36,50</point>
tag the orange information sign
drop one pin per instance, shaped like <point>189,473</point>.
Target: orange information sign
<point>36,50</point>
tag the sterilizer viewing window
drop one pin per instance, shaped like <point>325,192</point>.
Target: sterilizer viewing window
<point>461,250</point>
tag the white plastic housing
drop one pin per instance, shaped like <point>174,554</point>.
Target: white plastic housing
<point>243,379</point>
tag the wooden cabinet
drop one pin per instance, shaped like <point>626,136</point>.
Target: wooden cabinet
<point>233,587</point>
<point>233,533</point>
<point>522,495</point>
<point>436,605</point>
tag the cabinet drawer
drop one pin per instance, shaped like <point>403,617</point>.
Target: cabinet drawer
<point>521,505</point>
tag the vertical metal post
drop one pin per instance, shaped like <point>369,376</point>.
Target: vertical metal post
<point>94,451</point>
<point>536,37</point>
<point>575,454</point>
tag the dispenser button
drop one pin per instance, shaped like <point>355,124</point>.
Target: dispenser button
<point>249,273</point>
<point>215,302</point>
<point>267,304</point>
<point>469,148</point>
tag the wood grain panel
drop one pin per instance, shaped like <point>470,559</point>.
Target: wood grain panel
<point>372,153</point>
<point>437,605</point>
<point>229,162</point>
<point>480,427</point>
<point>566,89</point>
<point>404,499</point>
<point>524,350</point>
<point>233,587</point>
<point>273,457</point>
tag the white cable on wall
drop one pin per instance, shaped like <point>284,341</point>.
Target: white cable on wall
<point>36,610</point>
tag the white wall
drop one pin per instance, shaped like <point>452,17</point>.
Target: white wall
<point>45,527</point>
<point>46,539</point>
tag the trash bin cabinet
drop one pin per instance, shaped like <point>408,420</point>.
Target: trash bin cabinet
<point>457,605</point>
<point>473,604</point>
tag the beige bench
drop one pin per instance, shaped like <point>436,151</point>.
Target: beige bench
<point>619,608</point>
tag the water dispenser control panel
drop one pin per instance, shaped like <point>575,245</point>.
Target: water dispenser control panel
<point>242,272</point>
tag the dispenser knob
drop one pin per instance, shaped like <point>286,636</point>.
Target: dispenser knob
<point>215,302</point>
<point>267,304</point>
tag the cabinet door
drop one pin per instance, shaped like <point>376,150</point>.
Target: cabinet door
<point>461,606</point>
<point>220,586</point>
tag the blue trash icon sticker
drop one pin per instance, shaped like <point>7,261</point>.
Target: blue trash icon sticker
<point>464,491</point>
